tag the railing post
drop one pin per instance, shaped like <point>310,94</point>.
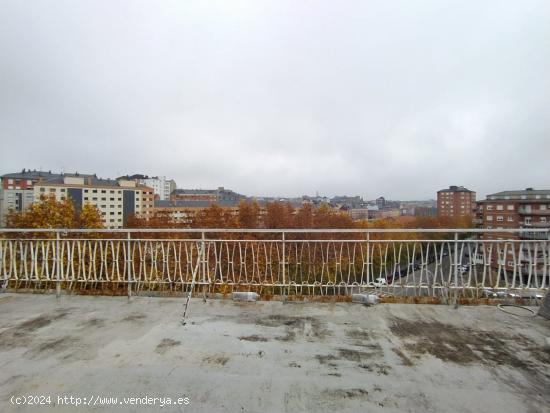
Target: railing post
<point>5,280</point>
<point>128,264</point>
<point>284,261</point>
<point>456,270</point>
<point>203,265</point>
<point>368,257</point>
<point>57,265</point>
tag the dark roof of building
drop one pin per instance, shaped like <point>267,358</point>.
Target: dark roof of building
<point>195,191</point>
<point>529,193</point>
<point>135,176</point>
<point>454,188</point>
<point>216,192</point>
<point>35,175</point>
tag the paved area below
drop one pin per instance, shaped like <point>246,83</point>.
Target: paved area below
<point>268,356</point>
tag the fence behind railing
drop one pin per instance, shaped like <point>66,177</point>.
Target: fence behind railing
<point>419,262</point>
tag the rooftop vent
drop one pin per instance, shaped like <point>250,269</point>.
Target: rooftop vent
<point>528,189</point>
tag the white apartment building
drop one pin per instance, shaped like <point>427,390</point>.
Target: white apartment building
<point>115,199</point>
<point>162,187</point>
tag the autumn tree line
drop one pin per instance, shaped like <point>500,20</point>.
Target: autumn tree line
<point>51,213</point>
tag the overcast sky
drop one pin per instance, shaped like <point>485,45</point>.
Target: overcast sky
<point>370,98</point>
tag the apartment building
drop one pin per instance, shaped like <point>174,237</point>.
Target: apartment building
<point>527,208</point>
<point>17,189</point>
<point>115,199</point>
<point>456,202</point>
<point>524,209</point>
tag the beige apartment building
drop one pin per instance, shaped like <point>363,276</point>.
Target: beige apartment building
<point>115,199</point>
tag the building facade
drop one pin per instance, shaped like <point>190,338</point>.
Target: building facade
<point>17,189</point>
<point>456,202</point>
<point>162,187</point>
<point>520,209</point>
<point>218,196</point>
<point>115,199</point>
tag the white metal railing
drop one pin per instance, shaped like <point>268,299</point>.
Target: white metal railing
<point>402,262</point>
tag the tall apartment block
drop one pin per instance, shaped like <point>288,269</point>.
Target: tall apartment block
<point>456,202</point>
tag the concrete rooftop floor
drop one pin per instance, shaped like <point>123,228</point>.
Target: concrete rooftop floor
<point>272,357</point>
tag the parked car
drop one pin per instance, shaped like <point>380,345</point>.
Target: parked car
<point>380,282</point>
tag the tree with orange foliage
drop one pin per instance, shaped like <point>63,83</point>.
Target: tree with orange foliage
<point>214,217</point>
<point>248,215</point>
<point>278,215</point>
<point>50,213</point>
<point>90,217</point>
<point>46,213</point>
<point>304,217</point>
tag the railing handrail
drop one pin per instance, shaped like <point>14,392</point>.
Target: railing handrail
<point>277,231</point>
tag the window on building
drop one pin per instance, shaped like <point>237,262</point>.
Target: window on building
<point>510,207</point>
<point>489,217</point>
<point>510,219</point>
<point>542,219</point>
<point>500,218</point>
<point>489,207</point>
<point>500,207</point>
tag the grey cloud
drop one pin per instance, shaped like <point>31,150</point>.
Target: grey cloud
<point>396,98</point>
